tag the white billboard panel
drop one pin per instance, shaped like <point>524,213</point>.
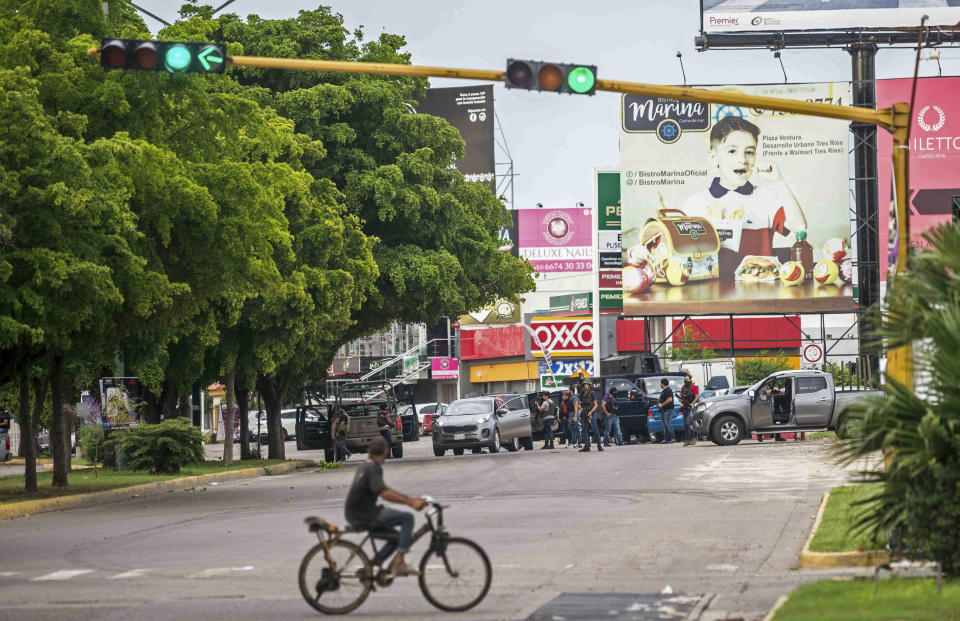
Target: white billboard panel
<point>790,15</point>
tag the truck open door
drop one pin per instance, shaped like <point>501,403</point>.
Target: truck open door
<point>313,430</point>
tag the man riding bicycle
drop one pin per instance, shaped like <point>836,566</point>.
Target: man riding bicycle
<point>363,512</point>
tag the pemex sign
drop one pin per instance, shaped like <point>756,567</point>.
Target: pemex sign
<point>563,337</point>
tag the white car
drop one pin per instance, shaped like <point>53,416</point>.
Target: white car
<point>427,408</point>
<point>288,424</point>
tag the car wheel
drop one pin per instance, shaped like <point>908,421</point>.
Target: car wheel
<point>495,446</point>
<point>728,430</point>
<point>658,437</point>
<point>328,455</point>
<point>396,451</point>
<point>264,438</point>
<point>439,452</point>
<point>458,451</point>
<point>527,443</point>
<point>512,446</point>
<point>284,434</point>
<point>476,450</point>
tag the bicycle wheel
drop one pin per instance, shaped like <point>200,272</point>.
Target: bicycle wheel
<point>457,576</point>
<point>340,588</point>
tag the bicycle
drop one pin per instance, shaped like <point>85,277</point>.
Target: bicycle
<point>458,578</point>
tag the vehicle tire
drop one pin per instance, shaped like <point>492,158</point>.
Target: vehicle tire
<point>439,452</point>
<point>455,576</point>
<point>476,450</point>
<point>264,439</point>
<point>396,451</point>
<point>658,437</point>
<point>495,445</point>
<point>728,430</point>
<point>342,590</point>
<point>512,446</point>
<point>329,455</point>
<point>527,443</point>
<point>284,434</point>
<point>458,451</point>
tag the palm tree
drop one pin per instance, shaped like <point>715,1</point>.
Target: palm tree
<point>918,430</point>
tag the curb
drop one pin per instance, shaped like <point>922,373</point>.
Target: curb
<point>29,507</point>
<point>773,611</point>
<point>826,560</point>
<point>20,461</point>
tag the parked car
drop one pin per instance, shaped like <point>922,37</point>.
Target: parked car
<point>43,442</point>
<point>491,421</point>
<point>288,424</point>
<point>655,422</point>
<point>782,402</point>
<point>424,410</point>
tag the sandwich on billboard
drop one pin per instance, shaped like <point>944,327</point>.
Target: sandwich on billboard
<point>934,161</point>
<point>556,240</point>
<point>791,15</point>
<point>734,210</point>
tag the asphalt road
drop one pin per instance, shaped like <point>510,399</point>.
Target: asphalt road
<point>725,521</point>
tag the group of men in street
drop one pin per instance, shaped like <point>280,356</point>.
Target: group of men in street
<point>579,413</point>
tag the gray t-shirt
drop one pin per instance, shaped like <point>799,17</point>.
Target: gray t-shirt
<point>361,508</point>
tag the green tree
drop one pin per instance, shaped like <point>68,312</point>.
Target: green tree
<point>752,370</point>
<point>693,345</point>
<point>918,507</point>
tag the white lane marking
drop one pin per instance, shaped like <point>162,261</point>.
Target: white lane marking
<point>63,574</point>
<point>722,567</point>
<point>219,571</point>
<point>133,573</point>
<point>7,574</point>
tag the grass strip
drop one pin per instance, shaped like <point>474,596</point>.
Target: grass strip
<point>897,598</point>
<point>87,481</point>
<point>834,533</point>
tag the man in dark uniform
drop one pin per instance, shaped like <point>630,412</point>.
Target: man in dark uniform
<point>588,417</point>
<point>666,410</point>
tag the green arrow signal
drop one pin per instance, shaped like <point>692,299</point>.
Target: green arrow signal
<point>205,58</point>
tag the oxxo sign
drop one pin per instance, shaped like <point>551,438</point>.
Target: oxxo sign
<point>562,336</point>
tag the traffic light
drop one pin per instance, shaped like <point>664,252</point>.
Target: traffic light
<point>534,75</point>
<point>169,56</point>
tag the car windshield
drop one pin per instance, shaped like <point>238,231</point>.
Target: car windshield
<point>469,408</point>
<point>654,387</point>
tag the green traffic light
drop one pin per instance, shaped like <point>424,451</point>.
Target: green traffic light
<point>581,80</point>
<point>177,58</point>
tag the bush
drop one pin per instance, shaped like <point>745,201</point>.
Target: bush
<point>90,439</point>
<point>162,448</point>
<point>919,434</point>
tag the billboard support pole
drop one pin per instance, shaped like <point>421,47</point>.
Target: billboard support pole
<point>863,58</point>
<point>595,280</point>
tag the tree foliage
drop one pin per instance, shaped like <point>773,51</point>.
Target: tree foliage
<point>250,223</point>
<point>918,430</point>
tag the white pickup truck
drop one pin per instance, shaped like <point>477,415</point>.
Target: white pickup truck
<point>782,402</point>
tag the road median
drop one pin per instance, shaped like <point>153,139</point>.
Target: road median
<point>42,505</point>
<point>811,559</point>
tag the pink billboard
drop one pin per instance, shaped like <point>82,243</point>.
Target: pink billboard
<point>444,368</point>
<point>556,240</point>
<point>934,158</point>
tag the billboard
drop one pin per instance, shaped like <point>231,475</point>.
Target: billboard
<point>788,15</point>
<point>728,209</point>
<point>556,240</point>
<point>609,253</point>
<point>503,311</point>
<point>470,110</point>
<point>934,160</point>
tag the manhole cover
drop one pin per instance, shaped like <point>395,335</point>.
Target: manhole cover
<point>615,606</point>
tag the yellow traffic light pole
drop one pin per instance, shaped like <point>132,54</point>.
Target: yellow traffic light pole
<point>895,119</point>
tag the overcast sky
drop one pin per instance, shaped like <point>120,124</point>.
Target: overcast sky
<point>555,140</point>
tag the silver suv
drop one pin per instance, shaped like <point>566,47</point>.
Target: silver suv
<point>490,422</point>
